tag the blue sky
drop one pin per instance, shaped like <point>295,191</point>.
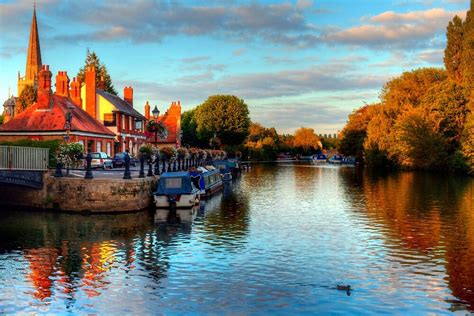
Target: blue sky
<point>295,63</point>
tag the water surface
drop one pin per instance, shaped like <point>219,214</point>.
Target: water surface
<point>278,240</point>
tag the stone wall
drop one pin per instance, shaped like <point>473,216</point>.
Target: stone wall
<point>79,195</point>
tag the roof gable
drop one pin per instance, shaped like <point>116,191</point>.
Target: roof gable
<point>120,104</point>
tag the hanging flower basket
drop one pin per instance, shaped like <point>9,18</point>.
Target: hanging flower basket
<point>153,127</point>
<point>146,151</point>
<point>168,153</point>
<point>193,153</point>
<point>182,153</point>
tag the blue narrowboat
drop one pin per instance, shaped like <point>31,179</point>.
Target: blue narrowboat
<point>336,159</point>
<point>175,189</point>
<point>320,158</point>
<point>208,181</point>
<point>224,168</point>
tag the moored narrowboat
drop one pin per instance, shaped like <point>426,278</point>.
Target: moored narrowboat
<point>224,168</point>
<point>336,159</point>
<point>320,158</point>
<point>176,190</point>
<point>208,180</point>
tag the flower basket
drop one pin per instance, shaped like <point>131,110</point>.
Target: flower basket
<point>182,153</point>
<point>193,153</point>
<point>168,153</point>
<point>146,151</point>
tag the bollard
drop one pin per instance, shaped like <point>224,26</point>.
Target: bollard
<point>126,174</point>
<point>163,169</point>
<point>150,170</point>
<point>186,162</point>
<point>142,167</point>
<point>169,166</point>
<point>174,165</point>
<point>88,166</point>
<point>157,165</point>
<point>58,173</point>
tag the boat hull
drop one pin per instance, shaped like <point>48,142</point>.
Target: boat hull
<point>211,190</point>
<point>184,200</point>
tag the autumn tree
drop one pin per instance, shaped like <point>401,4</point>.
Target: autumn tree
<point>453,51</point>
<point>467,142</point>
<point>26,98</point>
<point>410,87</point>
<point>467,55</point>
<point>306,139</point>
<point>102,74</point>
<point>226,116</point>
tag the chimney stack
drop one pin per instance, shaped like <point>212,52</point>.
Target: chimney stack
<point>128,95</point>
<point>75,92</point>
<point>44,88</point>
<point>91,101</point>
<point>147,110</point>
<point>62,84</point>
<point>101,83</point>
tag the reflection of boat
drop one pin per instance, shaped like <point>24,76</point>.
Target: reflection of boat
<point>208,180</point>
<point>336,159</point>
<point>164,215</point>
<point>320,158</point>
<point>175,189</point>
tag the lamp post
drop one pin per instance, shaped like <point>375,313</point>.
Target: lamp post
<point>156,114</point>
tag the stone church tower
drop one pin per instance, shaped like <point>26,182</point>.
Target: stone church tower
<point>33,60</point>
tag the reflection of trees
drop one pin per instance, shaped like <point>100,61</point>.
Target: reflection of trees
<point>426,213</point>
<point>227,222</point>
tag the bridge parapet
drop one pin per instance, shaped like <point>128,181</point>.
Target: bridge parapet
<point>23,166</point>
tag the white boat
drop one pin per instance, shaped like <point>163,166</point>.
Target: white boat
<point>176,190</point>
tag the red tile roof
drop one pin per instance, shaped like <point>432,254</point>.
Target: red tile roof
<point>33,119</point>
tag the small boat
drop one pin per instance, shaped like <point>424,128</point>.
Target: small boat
<point>224,169</point>
<point>349,161</point>
<point>320,158</point>
<point>336,159</point>
<point>208,180</point>
<point>176,190</point>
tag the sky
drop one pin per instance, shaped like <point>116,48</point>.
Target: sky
<point>294,63</point>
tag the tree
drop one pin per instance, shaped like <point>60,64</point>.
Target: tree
<point>418,145</point>
<point>26,98</point>
<point>102,74</point>
<point>189,128</point>
<point>226,116</point>
<point>2,117</point>
<point>453,51</point>
<point>467,141</point>
<point>410,87</point>
<point>306,139</point>
<point>467,55</point>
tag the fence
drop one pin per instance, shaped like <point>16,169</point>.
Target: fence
<point>23,158</point>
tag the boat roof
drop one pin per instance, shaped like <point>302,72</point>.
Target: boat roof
<point>175,174</point>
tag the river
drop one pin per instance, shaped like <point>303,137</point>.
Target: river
<point>278,240</point>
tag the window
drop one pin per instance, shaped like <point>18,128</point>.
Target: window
<point>173,183</point>
<point>109,119</point>
<point>138,125</point>
<point>108,148</point>
<point>99,146</point>
<point>123,122</point>
<point>130,125</point>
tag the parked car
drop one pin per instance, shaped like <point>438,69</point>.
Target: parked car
<point>119,160</point>
<point>101,160</point>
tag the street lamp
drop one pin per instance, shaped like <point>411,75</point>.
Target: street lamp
<point>67,124</point>
<point>156,113</point>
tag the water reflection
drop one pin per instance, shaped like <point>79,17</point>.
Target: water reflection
<point>276,240</point>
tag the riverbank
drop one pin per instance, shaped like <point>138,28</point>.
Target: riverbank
<point>70,194</point>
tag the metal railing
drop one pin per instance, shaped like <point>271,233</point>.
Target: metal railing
<point>23,158</point>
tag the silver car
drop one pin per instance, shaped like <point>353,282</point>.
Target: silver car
<point>101,160</point>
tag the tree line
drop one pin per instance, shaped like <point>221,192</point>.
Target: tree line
<point>425,117</point>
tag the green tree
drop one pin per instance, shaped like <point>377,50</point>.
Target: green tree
<point>226,116</point>
<point>2,117</point>
<point>102,74</point>
<point>26,98</point>
<point>189,128</point>
<point>467,55</point>
<point>453,51</point>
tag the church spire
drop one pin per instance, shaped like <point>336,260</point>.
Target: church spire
<point>33,60</point>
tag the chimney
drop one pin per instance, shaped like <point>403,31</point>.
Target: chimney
<point>62,84</point>
<point>147,110</point>
<point>44,88</point>
<point>101,83</point>
<point>91,106</point>
<point>76,92</point>
<point>128,95</point>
